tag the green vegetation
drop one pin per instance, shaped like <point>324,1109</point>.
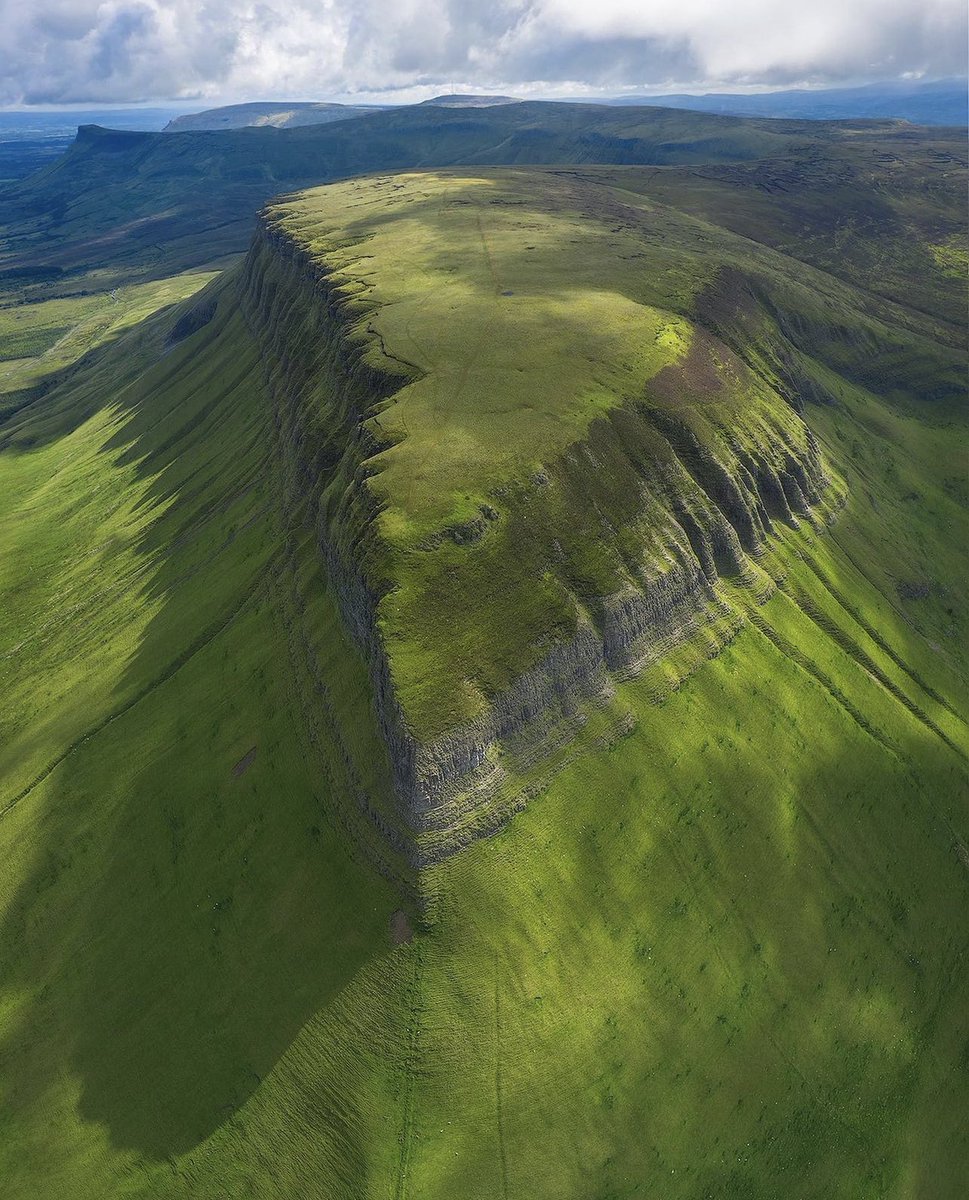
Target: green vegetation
<point>718,953</point>
<point>41,340</point>
<point>29,342</point>
<point>136,627</point>
<point>710,984</point>
<point>515,352</point>
<point>952,256</point>
<point>126,205</point>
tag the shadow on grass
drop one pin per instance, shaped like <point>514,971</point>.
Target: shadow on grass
<point>193,899</point>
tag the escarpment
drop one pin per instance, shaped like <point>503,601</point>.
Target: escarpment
<point>495,632</point>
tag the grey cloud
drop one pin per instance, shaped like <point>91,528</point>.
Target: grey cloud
<point>606,62</point>
<point>110,50</point>
<point>112,53</point>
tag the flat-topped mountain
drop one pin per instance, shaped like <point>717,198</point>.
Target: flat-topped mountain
<point>462,100</point>
<point>277,114</point>
<point>293,114</point>
<point>495,377</point>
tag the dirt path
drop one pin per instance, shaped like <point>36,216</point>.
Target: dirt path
<point>498,1095</point>
<point>401,930</point>
<point>410,1080</point>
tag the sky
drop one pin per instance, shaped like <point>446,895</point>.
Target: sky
<point>124,51</point>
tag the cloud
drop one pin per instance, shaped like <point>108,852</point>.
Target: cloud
<point>73,51</point>
<point>62,51</point>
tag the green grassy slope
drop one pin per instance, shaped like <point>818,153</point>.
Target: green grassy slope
<point>169,767</point>
<point>873,219</point>
<point>42,342</point>
<point>715,957</point>
<point>734,984</point>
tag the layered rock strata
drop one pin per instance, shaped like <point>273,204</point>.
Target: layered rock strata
<point>703,504</point>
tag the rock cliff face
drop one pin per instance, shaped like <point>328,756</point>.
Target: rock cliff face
<point>693,500</point>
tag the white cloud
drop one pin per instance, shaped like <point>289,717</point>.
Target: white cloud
<point>106,50</point>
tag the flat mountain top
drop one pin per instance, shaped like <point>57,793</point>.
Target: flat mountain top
<point>460,100</point>
<point>293,114</point>
<point>513,314</point>
<point>260,113</point>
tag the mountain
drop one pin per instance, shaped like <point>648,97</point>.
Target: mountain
<point>117,197</point>
<point>939,102</point>
<point>31,139</point>
<point>279,115</point>
<point>483,669</point>
<point>289,115</point>
<point>460,100</point>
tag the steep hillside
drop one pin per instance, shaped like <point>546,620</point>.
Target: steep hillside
<point>483,706</point>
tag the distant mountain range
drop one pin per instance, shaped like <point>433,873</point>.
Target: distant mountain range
<point>30,140</point>
<point>942,102</point>
<point>289,114</point>
<point>208,186</point>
